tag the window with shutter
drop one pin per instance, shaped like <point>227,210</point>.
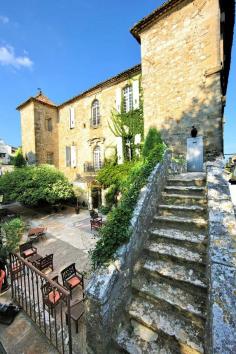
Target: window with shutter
<point>72,117</point>
<point>118,99</point>
<point>136,94</point>
<point>68,156</point>
<point>73,156</point>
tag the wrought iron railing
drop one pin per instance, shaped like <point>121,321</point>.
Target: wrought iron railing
<point>27,291</point>
<point>90,167</point>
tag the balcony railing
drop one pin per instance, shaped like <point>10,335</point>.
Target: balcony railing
<point>27,284</point>
<point>90,167</point>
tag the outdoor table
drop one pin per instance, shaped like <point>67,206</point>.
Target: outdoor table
<point>76,312</point>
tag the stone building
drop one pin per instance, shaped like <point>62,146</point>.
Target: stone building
<point>186,53</point>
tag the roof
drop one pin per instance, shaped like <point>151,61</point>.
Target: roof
<point>146,21</point>
<point>40,97</point>
<point>109,82</point>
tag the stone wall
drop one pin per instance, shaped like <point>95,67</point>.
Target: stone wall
<point>221,263</point>
<point>28,129</point>
<point>46,141</point>
<point>181,75</point>
<point>83,136</point>
<point>109,289</point>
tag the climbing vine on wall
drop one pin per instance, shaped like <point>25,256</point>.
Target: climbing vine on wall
<point>128,124</point>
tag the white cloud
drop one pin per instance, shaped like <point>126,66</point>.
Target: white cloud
<point>8,57</point>
<point>4,19</point>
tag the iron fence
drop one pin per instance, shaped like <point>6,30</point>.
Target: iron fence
<point>27,291</point>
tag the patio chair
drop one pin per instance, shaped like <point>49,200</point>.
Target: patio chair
<point>51,296</point>
<point>72,278</point>
<point>96,223</point>
<point>27,249</point>
<point>93,214</point>
<point>44,263</point>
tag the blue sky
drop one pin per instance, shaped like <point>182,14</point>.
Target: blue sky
<point>65,47</point>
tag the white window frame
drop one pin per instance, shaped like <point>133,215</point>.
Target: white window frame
<point>95,113</point>
<point>97,158</point>
<point>128,98</point>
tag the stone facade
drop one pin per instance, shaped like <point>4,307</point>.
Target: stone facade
<point>182,60</point>
<point>185,51</point>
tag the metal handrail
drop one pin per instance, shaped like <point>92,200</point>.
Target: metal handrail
<point>36,270</point>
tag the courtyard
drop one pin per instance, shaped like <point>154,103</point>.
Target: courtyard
<point>69,239</point>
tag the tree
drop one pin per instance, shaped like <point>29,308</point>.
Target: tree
<point>10,235</point>
<point>153,139</point>
<point>18,159</point>
<point>35,185</point>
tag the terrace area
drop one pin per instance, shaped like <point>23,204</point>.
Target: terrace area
<point>69,239</point>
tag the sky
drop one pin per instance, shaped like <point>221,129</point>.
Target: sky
<point>65,47</point>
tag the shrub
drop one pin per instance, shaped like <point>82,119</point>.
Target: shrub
<point>153,138</point>
<point>117,230</point>
<point>19,160</point>
<point>35,185</point>
<point>114,175</point>
<point>11,233</point>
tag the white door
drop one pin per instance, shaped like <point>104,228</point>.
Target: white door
<point>195,154</point>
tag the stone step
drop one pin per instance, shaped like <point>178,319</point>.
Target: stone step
<point>186,331</point>
<point>191,180</point>
<point>142,340</point>
<point>162,289</point>
<point>173,250</point>
<point>177,235</point>
<point>185,190</point>
<point>181,223</point>
<point>180,199</point>
<point>181,271</point>
<point>180,210</point>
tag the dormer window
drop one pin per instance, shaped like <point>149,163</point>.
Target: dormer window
<point>128,98</point>
<point>95,118</point>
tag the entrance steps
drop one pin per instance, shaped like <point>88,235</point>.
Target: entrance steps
<point>167,311</point>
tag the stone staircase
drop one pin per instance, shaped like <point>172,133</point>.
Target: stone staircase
<point>169,289</point>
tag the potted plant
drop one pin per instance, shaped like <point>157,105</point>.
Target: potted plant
<point>78,191</point>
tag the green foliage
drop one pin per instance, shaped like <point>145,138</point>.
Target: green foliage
<point>117,229</point>
<point>34,185</point>
<point>104,210</point>
<point>127,125</point>
<point>153,138</point>
<point>111,196</point>
<point>19,160</point>
<point>114,175</point>
<point>11,233</point>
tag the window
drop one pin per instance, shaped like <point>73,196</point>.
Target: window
<point>72,117</point>
<point>95,119</point>
<point>68,156</point>
<point>49,124</point>
<point>128,98</point>
<point>50,158</point>
<point>97,161</point>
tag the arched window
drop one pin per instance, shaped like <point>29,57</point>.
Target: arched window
<point>97,159</point>
<point>128,98</point>
<point>95,120</point>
